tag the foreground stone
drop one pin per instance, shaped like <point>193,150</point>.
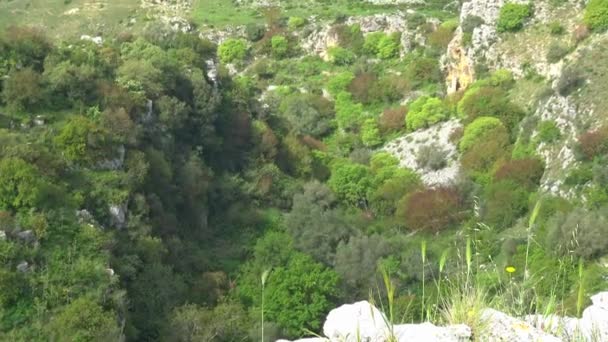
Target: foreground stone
<point>363,322</point>
<point>498,326</point>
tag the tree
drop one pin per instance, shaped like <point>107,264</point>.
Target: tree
<point>580,232</point>
<point>315,225</point>
<point>29,46</point>
<point>85,320</point>
<point>299,294</point>
<point>232,50</point>
<point>81,140</point>
<point>23,90</point>
<point>153,293</point>
<point>21,185</point>
<point>357,264</point>
<point>350,182</point>
<point>74,83</point>
<point>424,112</point>
<point>432,209</point>
<point>223,323</point>
<point>308,114</point>
<point>141,77</point>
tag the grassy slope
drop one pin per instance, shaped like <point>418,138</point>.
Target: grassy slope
<point>75,18</point>
<point>219,13</point>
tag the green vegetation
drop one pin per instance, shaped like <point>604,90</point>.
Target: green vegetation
<point>382,45</point>
<point>235,49</point>
<point>513,16</point>
<point>145,198</point>
<point>424,112</point>
<point>479,128</point>
<point>596,15</point>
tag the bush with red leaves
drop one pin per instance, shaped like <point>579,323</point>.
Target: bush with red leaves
<point>432,209</point>
<point>362,85</point>
<point>392,119</point>
<point>593,143</point>
<point>526,172</point>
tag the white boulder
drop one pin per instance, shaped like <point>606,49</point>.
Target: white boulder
<point>360,321</point>
<point>498,326</point>
<point>431,333</point>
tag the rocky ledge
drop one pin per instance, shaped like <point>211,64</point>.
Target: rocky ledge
<point>363,322</point>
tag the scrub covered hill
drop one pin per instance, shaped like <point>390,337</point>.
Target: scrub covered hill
<point>208,162</point>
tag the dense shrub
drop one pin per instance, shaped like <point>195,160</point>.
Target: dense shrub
<point>22,91</point>
<point>525,172</point>
<point>470,23</point>
<point>362,86</point>
<point>432,209</point>
<point>556,52</point>
<point>382,45</point>
<point>308,114</point>
<point>350,37</point>
<point>482,156</point>
<point>479,130</point>
<point>556,28</point>
<point>350,182</point>
<point>441,37</point>
<point>81,140</point>
<point>432,157</point>
<point>348,113</point>
<point>393,119</point>
<point>296,22</point>
<point>424,112</point>
<point>505,202</point>
<point>341,56</point>
<point>389,89</point>
<point>21,185</point>
<point>391,185</point>
<point>548,131</point>
<point>422,71</point>
<point>579,176</point>
<point>570,80</point>
<point>315,224</point>
<point>580,232</point>
<point>512,17</point>
<point>279,46</point>
<point>593,143</point>
<point>340,82</point>
<point>232,50</point>
<point>305,287</point>
<point>357,263</point>
<point>370,134</point>
<point>489,101</point>
<point>255,32</point>
<point>596,15</point>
